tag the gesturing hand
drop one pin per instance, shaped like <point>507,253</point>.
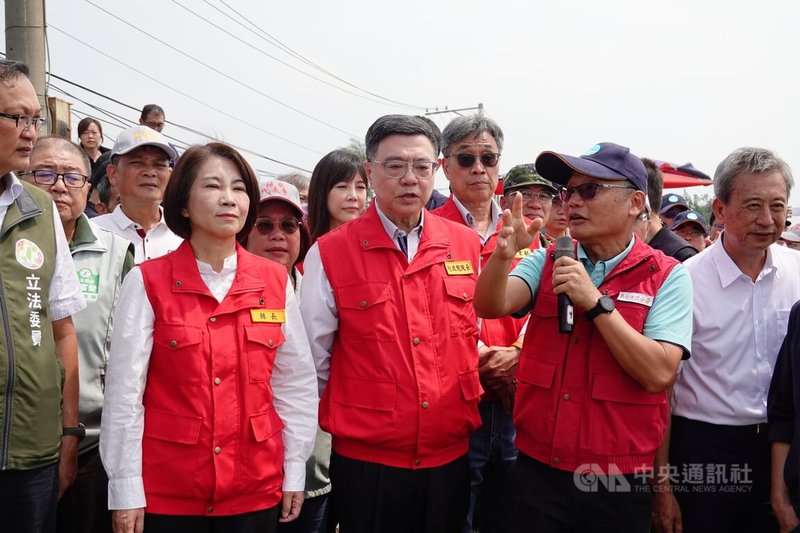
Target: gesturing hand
<point>515,234</point>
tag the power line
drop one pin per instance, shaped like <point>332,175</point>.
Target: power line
<point>260,33</point>
<point>221,73</point>
<point>180,92</point>
<point>282,62</point>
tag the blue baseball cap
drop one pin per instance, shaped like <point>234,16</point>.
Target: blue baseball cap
<point>605,161</point>
<point>690,217</point>
<point>671,200</point>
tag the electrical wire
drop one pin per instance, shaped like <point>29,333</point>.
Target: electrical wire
<point>221,73</point>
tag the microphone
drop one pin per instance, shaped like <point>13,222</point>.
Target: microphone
<point>564,248</point>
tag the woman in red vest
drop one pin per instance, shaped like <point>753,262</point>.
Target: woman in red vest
<point>210,406</point>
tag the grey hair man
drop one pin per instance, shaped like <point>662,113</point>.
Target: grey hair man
<point>38,392</point>
<point>60,168</point>
<point>744,287</point>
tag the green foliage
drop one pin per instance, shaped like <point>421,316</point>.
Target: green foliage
<point>700,203</point>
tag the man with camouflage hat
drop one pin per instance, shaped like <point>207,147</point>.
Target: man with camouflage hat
<point>471,147</point>
<point>537,193</point>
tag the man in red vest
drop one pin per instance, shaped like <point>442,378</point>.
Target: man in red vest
<point>387,304</point>
<point>590,410</point>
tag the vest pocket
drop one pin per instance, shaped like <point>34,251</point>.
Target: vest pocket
<point>177,346</point>
<point>364,409</point>
<point>531,415</point>
<point>471,390</point>
<point>460,291</point>
<point>170,456</point>
<point>262,453</point>
<point>262,344</point>
<point>365,311</point>
<point>624,419</point>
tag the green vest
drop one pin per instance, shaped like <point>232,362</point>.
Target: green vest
<point>31,375</point>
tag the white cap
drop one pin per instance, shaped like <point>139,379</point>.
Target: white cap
<point>137,136</point>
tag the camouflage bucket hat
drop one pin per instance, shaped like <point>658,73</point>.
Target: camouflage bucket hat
<point>524,175</point>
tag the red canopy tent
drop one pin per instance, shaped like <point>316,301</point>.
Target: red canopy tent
<point>683,176</point>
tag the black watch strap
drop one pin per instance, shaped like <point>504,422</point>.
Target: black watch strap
<point>79,431</point>
<point>604,305</point>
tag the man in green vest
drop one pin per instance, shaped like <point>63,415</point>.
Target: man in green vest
<point>39,292</point>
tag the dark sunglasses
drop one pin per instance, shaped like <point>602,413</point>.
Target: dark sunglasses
<point>467,160</point>
<point>288,225</point>
<point>588,191</point>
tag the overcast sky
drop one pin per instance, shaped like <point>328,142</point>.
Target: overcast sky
<point>677,81</point>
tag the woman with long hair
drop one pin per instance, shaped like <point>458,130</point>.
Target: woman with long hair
<point>337,194</point>
<point>210,398</point>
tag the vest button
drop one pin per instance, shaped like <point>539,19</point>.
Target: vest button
<point>177,283</point>
<point>566,396</point>
<point>555,459</point>
<point>213,319</point>
<point>217,381</point>
<point>261,301</point>
<point>425,405</point>
<point>217,450</point>
<point>363,303</point>
<point>210,509</point>
<point>417,462</point>
<point>575,340</point>
<point>405,276</point>
<point>173,344</point>
<point>270,343</point>
<point>416,341</point>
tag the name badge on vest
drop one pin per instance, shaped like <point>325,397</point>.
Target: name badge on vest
<point>271,316</point>
<point>458,268</point>
<point>525,252</point>
<point>636,298</point>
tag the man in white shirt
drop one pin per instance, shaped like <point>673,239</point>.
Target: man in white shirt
<point>140,171</point>
<point>39,293</point>
<point>744,288</point>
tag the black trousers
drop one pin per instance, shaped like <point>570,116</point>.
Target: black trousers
<point>28,499</point>
<point>549,500</point>
<point>371,497</point>
<point>732,494</point>
<point>84,506</point>
<point>265,521</point>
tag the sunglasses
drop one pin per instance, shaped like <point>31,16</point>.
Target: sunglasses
<point>468,160</point>
<point>588,191</point>
<point>288,225</point>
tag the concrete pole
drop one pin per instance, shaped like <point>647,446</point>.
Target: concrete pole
<point>25,40</point>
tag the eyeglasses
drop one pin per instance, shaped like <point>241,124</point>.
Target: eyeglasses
<point>688,234</point>
<point>288,225</point>
<point>468,160</point>
<point>73,180</point>
<point>528,195</point>
<point>397,168</point>
<point>23,122</point>
<point>588,191</point>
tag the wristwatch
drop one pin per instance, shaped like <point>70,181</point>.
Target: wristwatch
<point>604,305</point>
<point>79,431</point>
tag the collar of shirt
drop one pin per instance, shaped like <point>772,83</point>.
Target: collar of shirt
<point>11,190</point>
<point>598,271</point>
<point>123,221</point>
<point>394,232</point>
<point>729,272</point>
<point>494,217</point>
<point>219,283</point>
<point>83,232</point>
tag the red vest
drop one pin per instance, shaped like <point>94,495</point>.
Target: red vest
<point>212,438</point>
<point>403,388</point>
<point>575,404</point>
<point>494,331</point>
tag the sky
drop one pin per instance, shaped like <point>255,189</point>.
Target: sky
<point>679,81</point>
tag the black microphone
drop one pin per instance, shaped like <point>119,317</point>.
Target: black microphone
<point>564,248</point>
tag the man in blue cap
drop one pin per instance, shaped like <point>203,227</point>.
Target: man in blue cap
<point>591,407</point>
<point>692,227</point>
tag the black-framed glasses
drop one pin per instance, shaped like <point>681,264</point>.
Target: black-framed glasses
<point>287,225</point>
<point>588,191</point>
<point>528,195</point>
<point>73,180</point>
<point>488,160</point>
<point>23,122</point>
<point>397,168</point>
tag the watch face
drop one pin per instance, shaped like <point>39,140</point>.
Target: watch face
<point>607,303</point>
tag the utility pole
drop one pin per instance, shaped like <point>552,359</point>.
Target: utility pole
<point>25,40</point>
<point>437,111</point>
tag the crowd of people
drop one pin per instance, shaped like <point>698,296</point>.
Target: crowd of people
<point>190,348</point>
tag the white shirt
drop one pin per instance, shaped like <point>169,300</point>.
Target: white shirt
<point>738,329</point>
<point>65,298</point>
<point>293,385</point>
<point>495,216</point>
<point>157,242</point>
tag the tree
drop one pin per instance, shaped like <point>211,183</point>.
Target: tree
<point>700,203</point>
<point>356,147</point>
